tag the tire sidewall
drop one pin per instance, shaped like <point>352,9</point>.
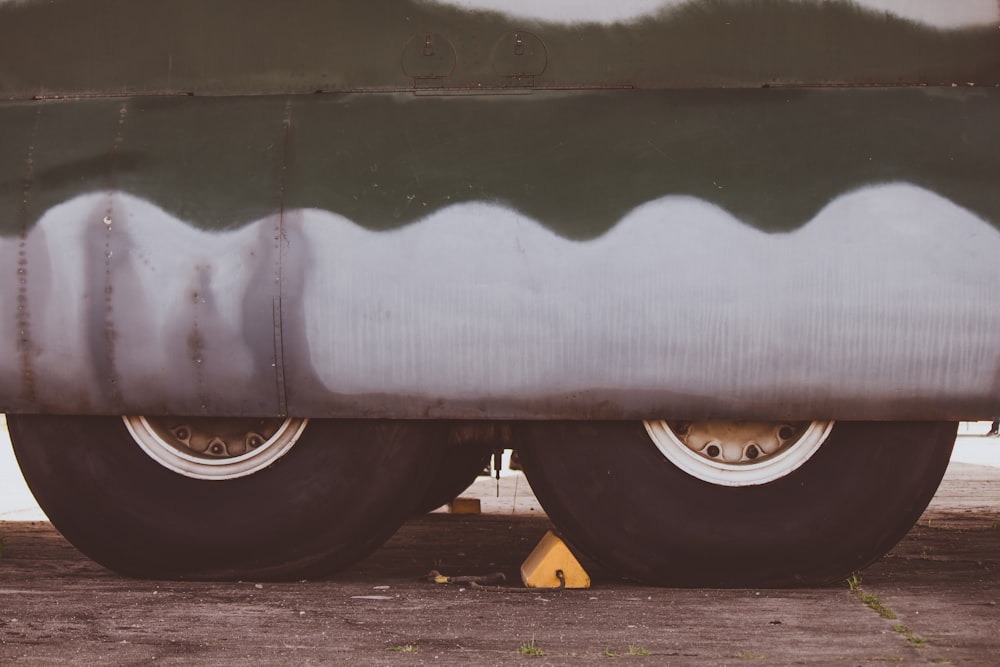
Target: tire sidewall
<point>338,493</point>
<point>623,503</point>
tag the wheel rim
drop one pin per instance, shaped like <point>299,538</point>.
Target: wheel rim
<point>739,453</point>
<point>213,448</point>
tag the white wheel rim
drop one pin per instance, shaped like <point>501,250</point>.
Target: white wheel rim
<point>214,449</point>
<point>738,453</point>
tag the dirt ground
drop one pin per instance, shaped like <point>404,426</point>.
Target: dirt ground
<point>940,584</point>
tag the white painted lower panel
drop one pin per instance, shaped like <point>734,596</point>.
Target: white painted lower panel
<point>885,304</point>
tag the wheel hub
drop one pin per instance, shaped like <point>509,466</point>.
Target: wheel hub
<point>738,453</point>
<point>214,448</point>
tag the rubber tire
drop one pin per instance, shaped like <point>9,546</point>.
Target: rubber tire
<point>339,493</point>
<point>459,468</point>
<point>617,499</point>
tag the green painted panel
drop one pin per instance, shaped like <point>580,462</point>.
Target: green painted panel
<point>17,129</point>
<point>214,161</point>
<point>116,47</point>
<point>579,162</point>
<point>72,146</point>
<point>576,162</point>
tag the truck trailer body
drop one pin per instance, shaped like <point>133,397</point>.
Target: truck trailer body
<point>724,272</point>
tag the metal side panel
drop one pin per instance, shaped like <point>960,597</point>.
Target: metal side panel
<point>114,300</point>
<point>742,253</point>
<point>122,47</point>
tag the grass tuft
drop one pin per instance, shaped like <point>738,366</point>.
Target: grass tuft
<point>916,641</point>
<point>873,603</point>
<point>531,649</point>
<point>405,648</point>
<point>870,600</point>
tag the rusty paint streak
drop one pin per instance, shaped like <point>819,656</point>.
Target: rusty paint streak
<point>280,242</point>
<point>23,318</point>
<point>279,367</point>
<point>110,334</point>
<point>196,341</point>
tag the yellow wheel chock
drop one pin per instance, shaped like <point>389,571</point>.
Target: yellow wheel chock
<point>552,565</point>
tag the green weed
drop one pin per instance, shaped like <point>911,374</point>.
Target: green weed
<point>531,649</point>
<point>873,603</point>
<point>406,648</point>
<point>916,641</point>
<point>870,600</point>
